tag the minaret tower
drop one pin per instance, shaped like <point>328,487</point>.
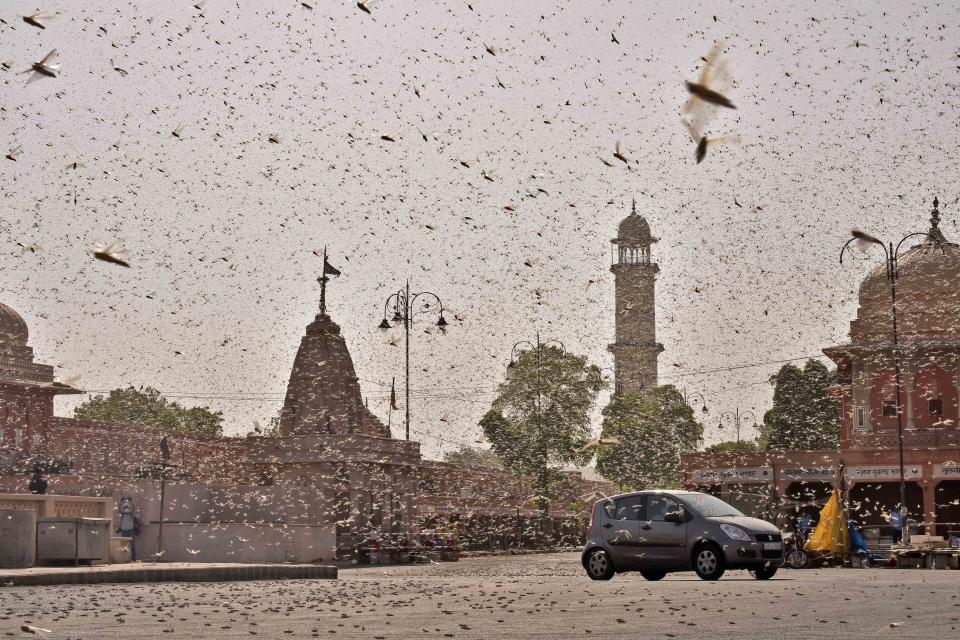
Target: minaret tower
<point>636,348</point>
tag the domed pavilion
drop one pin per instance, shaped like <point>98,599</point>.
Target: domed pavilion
<point>27,390</point>
<point>928,339</point>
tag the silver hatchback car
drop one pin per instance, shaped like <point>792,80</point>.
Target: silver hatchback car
<point>656,532</point>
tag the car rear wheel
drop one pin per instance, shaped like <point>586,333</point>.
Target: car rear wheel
<point>765,572</point>
<point>653,574</point>
<point>599,566</point>
<point>708,562</point>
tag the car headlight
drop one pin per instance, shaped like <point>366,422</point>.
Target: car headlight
<point>735,533</point>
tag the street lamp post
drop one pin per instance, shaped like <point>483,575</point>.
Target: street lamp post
<point>405,309</point>
<point>737,418</point>
<point>164,465</point>
<point>695,397</point>
<point>617,385</point>
<point>541,448</point>
<point>891,254</point>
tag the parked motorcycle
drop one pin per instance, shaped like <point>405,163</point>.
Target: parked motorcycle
<point>794,556</point>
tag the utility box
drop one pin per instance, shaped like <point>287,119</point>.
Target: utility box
<point>76,539</point>
<point>18,538</point>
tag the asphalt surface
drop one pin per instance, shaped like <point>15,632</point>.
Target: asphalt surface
<point>505,597</point>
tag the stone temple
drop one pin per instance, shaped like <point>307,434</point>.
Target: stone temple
<point>330,439</point>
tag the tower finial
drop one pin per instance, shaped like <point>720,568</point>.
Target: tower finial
<point>935,221</point>
<point>633,208</point>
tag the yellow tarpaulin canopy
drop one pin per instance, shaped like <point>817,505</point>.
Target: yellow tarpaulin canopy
<point>831,536</point>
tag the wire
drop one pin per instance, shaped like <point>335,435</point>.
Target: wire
<point>464,393</point>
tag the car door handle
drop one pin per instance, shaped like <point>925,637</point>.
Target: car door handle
<point>646,527</point>
<point>607,525</point>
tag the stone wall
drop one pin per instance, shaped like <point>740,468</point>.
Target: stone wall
<point>96,448</point>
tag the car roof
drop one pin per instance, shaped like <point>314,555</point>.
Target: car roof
<point>653,492</point>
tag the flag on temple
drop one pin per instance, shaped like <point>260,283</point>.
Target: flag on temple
<point>329,269</point>
<point>393,395</point>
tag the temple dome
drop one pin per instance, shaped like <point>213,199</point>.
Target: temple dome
<point>13,328</point>
<point>928,301</point>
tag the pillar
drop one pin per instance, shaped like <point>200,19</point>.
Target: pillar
<point>906,387</point>
<point>955,411</point>
<point>865,386</point>
<point>929,486</point>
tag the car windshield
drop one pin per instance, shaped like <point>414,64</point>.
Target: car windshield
<point>710,506</point>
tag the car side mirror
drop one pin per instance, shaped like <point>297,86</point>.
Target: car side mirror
<point>673,516</point>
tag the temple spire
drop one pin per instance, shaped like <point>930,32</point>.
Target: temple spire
<point>633,208</point>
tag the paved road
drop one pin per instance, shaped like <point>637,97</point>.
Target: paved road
<point>544,596</point>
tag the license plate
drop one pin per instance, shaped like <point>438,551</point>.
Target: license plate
<point>771,546</point>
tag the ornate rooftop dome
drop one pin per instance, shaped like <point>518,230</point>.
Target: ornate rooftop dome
<point>13,329</point>
<point>928,301</point>
<point>634,230</point>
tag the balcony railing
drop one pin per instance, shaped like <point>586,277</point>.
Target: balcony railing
<point>912,439</point>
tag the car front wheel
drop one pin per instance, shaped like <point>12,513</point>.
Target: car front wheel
<point>708,562</point>
<point>764,573</point>
<point>599,566</point>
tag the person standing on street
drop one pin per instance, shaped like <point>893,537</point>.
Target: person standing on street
<point>38,483</point>
<point>896,522</point>
<point>129,525</point>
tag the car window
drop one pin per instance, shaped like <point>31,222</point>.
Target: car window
<point>628,508</point>
<point>610,508</point>
<point>659,506</point>
<point>710,506</point>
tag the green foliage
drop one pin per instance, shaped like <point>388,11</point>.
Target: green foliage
<point>651,435</point>
<point>473,456</point>
<point>541,416</point>
<point>679,417</point>
<point>744,446</point>
<point>147,407</point>
<point>803,415</point>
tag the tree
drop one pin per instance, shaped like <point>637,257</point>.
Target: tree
<point>147,407</point>
<point>803,415</point>
<point>541,415</point>
<point>650,435</point>
<point>744,446</point>
<point>474,456</point>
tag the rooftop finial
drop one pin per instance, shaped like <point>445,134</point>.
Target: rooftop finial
<point>935,221</point>
<point>633,208</point>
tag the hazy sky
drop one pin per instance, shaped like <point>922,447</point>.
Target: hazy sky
<point>221,223</point>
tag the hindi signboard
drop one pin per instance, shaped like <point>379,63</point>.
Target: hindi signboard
<point>797,472</point>
<point>947,470</point>
<point>732,474</point>
<point>882,473</point>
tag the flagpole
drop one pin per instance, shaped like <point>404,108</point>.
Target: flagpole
<point>323,283</point>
